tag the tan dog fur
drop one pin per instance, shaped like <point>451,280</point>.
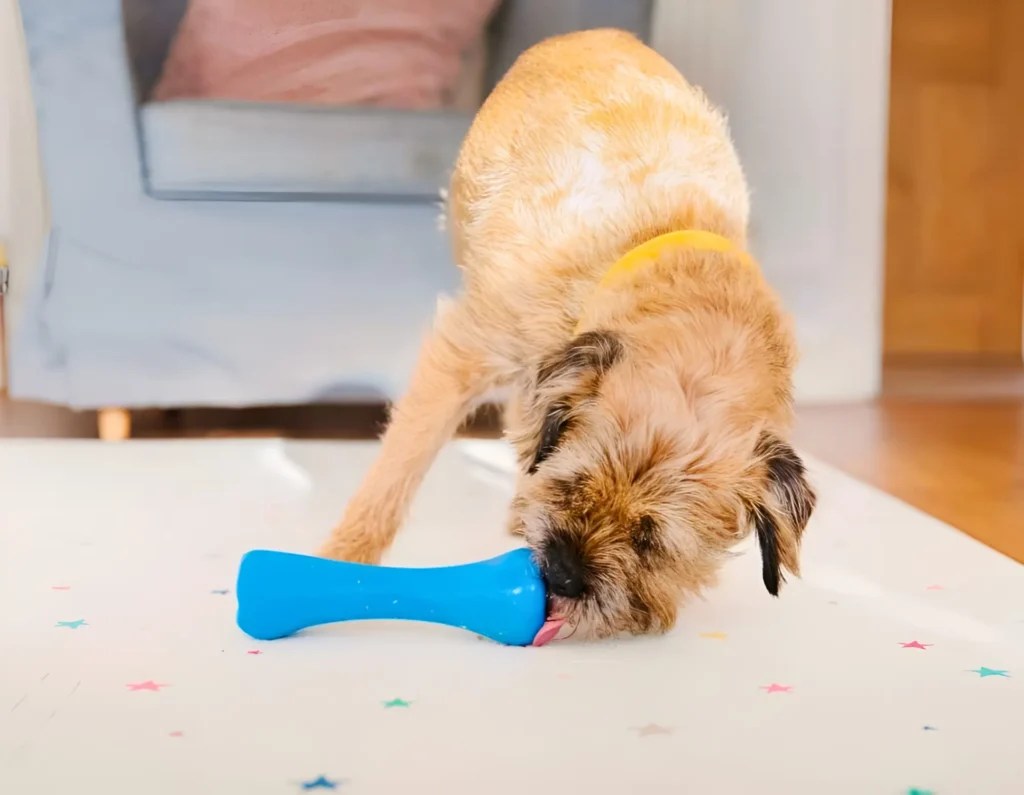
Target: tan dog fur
<point>667,394</point>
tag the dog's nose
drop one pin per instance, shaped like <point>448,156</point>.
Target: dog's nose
<point>564,569</point>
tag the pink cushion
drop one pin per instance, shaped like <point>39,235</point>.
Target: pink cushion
<point>394,53</point>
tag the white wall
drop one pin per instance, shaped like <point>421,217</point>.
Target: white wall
<point>805,84</point>
<point>22,204</point>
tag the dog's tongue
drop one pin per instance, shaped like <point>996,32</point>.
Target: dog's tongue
<point>548,631</point>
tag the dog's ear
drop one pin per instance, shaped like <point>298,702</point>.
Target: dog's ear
<point>582,362</point>
<point>782,511</point>
<point>591,352</point>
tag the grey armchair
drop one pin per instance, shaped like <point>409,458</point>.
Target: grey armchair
<point>211,253</point>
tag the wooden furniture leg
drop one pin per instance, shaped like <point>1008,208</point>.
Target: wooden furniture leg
<point>115,425</point>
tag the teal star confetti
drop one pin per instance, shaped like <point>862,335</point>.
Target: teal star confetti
<point>72,624</point>
<point>916,791</point>
<point>396,702</point>
<point>321,782</point>
<point>983,672</point>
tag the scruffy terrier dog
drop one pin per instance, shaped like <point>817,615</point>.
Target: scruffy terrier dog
<point>599,213</point>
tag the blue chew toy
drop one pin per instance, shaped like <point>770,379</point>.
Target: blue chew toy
<point>280,593</point>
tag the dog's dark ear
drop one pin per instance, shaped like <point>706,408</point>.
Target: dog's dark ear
<point>591,352</point>
<point>585,359</point>
<point>782,512</point>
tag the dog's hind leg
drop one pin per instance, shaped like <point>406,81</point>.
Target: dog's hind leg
<point>450,375</point>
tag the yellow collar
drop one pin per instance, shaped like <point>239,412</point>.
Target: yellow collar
<point>649,251</point>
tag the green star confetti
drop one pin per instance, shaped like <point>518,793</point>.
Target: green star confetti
<point>983,672</point>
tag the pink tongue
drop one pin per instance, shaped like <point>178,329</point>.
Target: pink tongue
<point>548,631</point>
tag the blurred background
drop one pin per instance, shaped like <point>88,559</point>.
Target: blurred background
<point>220,216</point>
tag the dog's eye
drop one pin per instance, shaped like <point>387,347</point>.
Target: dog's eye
<point>644,537</point>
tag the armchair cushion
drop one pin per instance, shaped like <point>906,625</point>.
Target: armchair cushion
<point>251,151</point>
<point>216,150</point>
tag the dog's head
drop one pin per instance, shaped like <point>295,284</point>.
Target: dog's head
<point>631,499</point>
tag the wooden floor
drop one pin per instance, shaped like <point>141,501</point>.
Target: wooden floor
<point>962,462</point>
<point>951,444</point>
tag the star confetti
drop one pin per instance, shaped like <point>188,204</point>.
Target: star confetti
<point>176,734</point>
<point>321,782</point>
<point>396,702</point>
<point>652,728</point>
<point>916,791</point>
<point>147,685</point>
<point>221,592</point>
<point>60,587</point>
<point>713,635</point>
<point>254,651</point>
<point>774,688</point>
<point>983,672</point>
<point>935,588</point>
<point>72,624</point>
<point>916,644</point>
<point>930,728</point>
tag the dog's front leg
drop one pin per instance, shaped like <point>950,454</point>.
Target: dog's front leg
<point>450,375</point>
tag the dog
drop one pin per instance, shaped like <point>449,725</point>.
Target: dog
<point>598,211</point>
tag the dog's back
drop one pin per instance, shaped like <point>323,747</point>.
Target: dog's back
<point>590,144</point>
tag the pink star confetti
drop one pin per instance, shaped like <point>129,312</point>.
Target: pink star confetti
<point>774,688</point>
<point>916,644</point>
<point>254,651</point>
<point>935,588</point>
<point>147,685</point>
<point>60,587</point>
<point>176,734</point>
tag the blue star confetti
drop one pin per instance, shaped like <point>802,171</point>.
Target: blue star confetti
<point>72,624</point>
<point>322,782</point>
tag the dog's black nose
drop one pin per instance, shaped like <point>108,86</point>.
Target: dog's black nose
<point>564,569</point>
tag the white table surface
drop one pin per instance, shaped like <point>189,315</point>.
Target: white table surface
<point>141,542</point>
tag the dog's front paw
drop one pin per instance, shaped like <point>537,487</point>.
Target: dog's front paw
<point>353,545</point>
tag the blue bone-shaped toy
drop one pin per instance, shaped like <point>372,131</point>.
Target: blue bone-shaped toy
<point>280,593</point>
